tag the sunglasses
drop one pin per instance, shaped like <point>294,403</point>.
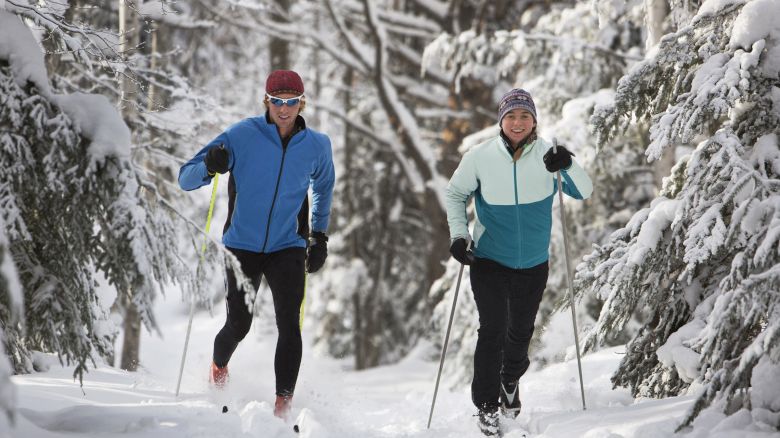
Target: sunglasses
<point>278,101</point>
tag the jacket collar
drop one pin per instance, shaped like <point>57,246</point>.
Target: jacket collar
<point>270,130</point>
<point>507,145</point>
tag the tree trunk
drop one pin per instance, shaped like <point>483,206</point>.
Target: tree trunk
<point>150,95</point>
<point>279,48</point>
<point>131,347</point>
<point>656,12</point>
<point>128,40</point>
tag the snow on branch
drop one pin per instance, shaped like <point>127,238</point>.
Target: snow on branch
<point>705,278</point>
<point>96,44</point>
<point>684,85</point>
<point>424,168</point>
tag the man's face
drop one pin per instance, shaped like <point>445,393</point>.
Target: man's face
<point>517,125</point>
<point>284,115</point>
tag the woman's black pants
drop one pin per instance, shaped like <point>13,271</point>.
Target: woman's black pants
<point>507,301</point>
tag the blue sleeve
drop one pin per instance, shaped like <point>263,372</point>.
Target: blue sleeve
<point>322,182</point>
<point>576,183</point>
<point>193,173</point>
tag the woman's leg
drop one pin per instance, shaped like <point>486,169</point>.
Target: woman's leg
<point>490,286</point>
<point>527,288</point>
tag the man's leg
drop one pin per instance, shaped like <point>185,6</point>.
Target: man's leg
<point>284,272</point>
<point>239,318</point>
<point>524,298</point>
<point>490,284</point>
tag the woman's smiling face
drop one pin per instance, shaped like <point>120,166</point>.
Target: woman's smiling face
<point>517,125</point>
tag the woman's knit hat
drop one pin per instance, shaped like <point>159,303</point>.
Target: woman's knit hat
<point>514,99</point>
<point>283,81</point>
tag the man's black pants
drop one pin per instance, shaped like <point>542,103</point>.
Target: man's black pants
<point>284,272</point>
<point>507,301</point>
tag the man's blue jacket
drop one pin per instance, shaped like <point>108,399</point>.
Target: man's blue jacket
<point>271,182</point>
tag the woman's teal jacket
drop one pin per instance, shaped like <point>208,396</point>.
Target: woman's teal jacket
<point>513,201</point>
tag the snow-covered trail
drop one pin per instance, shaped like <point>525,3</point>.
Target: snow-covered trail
<point>331,400</point>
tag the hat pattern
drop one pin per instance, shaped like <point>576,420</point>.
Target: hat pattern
<point>514,99</point>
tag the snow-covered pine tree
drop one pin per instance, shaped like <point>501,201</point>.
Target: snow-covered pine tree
<point>10,310</point>
<point>703,260</point>
<point>74,209</point>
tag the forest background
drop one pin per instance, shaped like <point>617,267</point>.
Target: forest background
<point>671,107</point>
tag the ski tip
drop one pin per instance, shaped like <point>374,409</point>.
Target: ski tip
<point>224,409</point>
<point>296,429</point>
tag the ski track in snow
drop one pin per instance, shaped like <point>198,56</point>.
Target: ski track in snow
<point>331,401</point>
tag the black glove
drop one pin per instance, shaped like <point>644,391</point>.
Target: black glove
<point>555,161</point>
<point>317,251</point>
<point>460,251</point>
<point>217,160</point>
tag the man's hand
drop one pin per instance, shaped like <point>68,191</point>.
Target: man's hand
<point>217,160</point>
<point>317,252</point>
<point>460,251</point>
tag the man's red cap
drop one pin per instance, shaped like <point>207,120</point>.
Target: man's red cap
<point>283,81</point>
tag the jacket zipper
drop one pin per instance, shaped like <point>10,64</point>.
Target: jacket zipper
<point>273,202</point>
<point>517,213</point>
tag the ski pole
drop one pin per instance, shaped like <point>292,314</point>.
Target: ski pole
<point>202,256</point>
<point>569,276</point>
<point>444,347</point>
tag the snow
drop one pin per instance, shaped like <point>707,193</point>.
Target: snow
<point>332,399</point>
<point>440,8</point>
<point>757,20</point>
<point>19,47</point>
<point>766,150</point>
<point>676,354</point>
<point>9,274</point>
<point>100,121</point>
<point>766,385</point>
<point>663,212</point>
<point>710,7</point>
<point>158,10</point>
<point>97,118</point>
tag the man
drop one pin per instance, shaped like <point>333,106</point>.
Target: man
<point>512,179</point>
<point>272,160</point>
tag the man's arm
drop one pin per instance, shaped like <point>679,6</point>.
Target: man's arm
<point>193,174</point>
<point>323,180</point>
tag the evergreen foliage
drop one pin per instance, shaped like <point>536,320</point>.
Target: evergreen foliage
<point>74,210</point>
<point>703,260</point>
<point>10,310</point>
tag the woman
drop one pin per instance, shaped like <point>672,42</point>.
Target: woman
<point>512,180</point>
